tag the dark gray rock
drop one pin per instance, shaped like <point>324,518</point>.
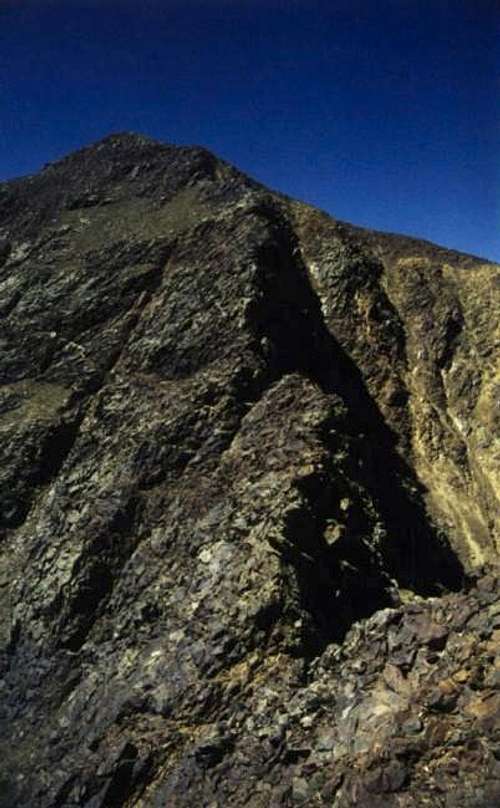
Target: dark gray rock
<point>247,509</point>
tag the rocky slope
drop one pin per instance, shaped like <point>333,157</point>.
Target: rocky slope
<point>248,497</point>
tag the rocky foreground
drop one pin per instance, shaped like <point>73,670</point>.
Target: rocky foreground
<point>249,511</point>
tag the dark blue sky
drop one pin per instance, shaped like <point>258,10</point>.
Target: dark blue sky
<point>384,112</point>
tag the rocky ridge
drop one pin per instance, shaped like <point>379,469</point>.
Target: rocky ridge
<point>248,497</point>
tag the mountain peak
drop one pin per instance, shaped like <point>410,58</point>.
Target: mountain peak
<point>248,521</point>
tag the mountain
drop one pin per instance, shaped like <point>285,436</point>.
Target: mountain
<point>249,488</point>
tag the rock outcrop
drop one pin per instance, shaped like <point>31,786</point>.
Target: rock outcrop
<point>249,511</point>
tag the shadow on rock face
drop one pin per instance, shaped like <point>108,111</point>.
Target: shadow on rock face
<point>387,533</point>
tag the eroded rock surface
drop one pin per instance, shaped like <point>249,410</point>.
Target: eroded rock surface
<point>249,497</point>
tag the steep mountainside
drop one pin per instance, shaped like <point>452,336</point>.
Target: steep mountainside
<point>249,488</point>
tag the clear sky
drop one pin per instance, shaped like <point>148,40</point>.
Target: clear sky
<point>385,113</point>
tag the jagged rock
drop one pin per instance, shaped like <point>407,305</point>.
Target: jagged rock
<point>248,497</point>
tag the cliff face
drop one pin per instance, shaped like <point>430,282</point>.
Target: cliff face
<point>249,487</point>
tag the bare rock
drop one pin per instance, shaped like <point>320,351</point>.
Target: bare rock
<point>248,516</point>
